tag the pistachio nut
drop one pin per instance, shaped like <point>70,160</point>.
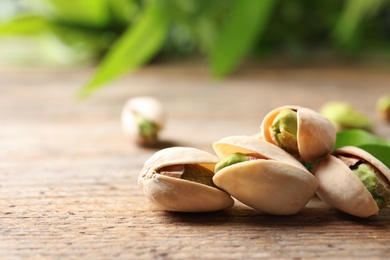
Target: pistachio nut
<point>180,179</point>
<point>344,116</point>
<point>353,181</point>
<point>262,175</point>
<point>301,131</point>
<point>142,119</point>
<point>383,107</point>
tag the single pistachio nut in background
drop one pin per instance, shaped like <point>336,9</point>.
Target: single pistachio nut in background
<point>301,131</point>
<point>142,119</point>
<point>383,107</point>
<point>262,175</point>
<point>344,116</point>
<point>353,181</point>
<point>180,179</point>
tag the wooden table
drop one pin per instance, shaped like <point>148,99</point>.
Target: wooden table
<point>68,175</point>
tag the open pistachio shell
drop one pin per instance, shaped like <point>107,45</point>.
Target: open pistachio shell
<point>142,118</point>
<point>173,193</point>
<point>344,116</point>
<point>316,135</point>
<point>275,183</point>
<point>341,188</point>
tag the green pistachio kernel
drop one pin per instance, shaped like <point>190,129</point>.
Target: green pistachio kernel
<point>198,174</point>
<point>284,130</point>
<point>189,172</point>
<point>148,130</point>
<point>374,182</point>
<point>344,116</point>
<point>230,160</point>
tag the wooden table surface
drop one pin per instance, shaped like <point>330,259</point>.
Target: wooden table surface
<point>68,175</point>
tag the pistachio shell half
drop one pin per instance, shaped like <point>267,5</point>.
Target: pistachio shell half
<point>344,116</point>
<point>180,179</point>
<point>341,187</point>
<point>383,107</point>
<point>315,135</point>
<point>274,183</point>
<point>142,119</point>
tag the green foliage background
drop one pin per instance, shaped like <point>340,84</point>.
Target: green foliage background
<point>123,35</point>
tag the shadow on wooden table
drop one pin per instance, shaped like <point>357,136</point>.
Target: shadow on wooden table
<point>315,214</point>
<point>165,143</point>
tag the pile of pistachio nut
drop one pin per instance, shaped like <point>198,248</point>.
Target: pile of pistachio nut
<point>267,171</point>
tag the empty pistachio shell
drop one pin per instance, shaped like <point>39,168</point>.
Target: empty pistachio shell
<point>180,179</point>
<point>342,186</point>
<point>312,134</point>
<point>383,107</point>
<point>142,119</point>
<point>345,116</point>
<point>269,179</point>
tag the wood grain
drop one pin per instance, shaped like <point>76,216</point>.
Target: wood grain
<point>68,175</point>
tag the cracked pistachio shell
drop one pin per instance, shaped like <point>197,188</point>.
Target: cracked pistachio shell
<point>316,135</point>
<point>176,194</point>
<point>341,188</point>
<point>146,108</point>
<point>276,183</point>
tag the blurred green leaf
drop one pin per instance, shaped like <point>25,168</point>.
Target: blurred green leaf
<point>245,21</point>
<point>355,11</point>
<point>379,151</point>
<point>90,12</point>
<point>83,40</point>
<point>123,11</point>
<point>206,25</point>
<point>206,32</point>
<point>194,24</point>
<point>24,25</point>
<point>134,48</point>
<point>358,137</point>
<point>225,31</point>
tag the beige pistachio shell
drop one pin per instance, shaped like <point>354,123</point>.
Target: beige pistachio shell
<point>352,150</point>
<point>316,135</point>
<point>277,184</point>
<point>148,108</point>
<point>175,194</point>
<point>247,144</point>
<point>341,188</point>
<point>383,107</point>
